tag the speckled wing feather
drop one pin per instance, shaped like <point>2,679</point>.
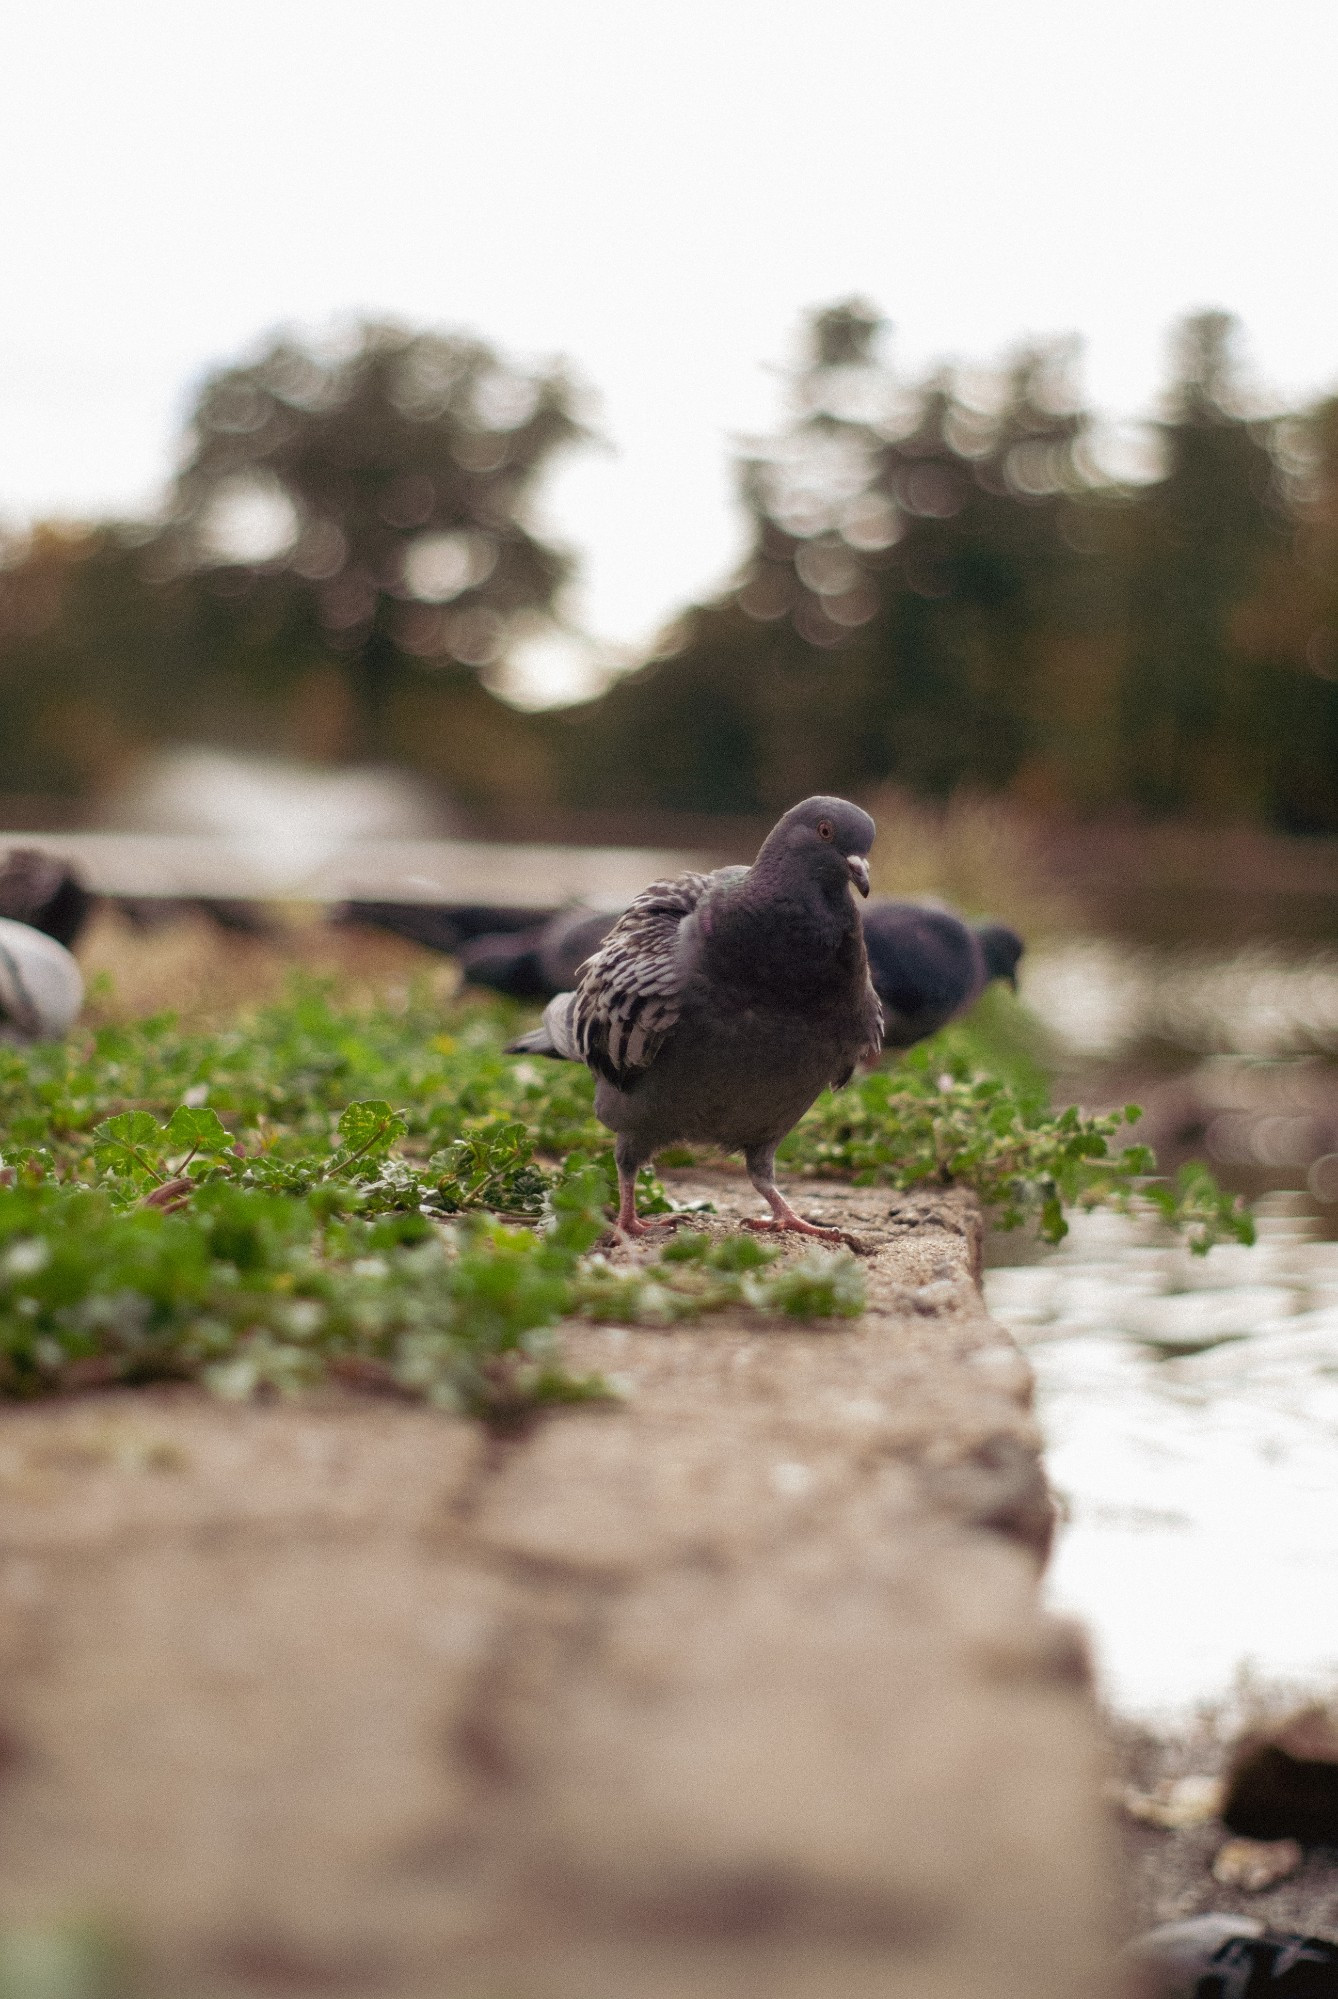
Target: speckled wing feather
<point>629,995</point>
<point>874,1026</point>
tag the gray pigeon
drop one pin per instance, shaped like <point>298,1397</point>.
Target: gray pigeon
<point>539,962</point>
<point>44,892</point>
<point>720,1006</point>
<point>41,987</point>
<point>928,965</point>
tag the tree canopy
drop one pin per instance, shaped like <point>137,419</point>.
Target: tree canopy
<point>384,486</point>
<point>951,581</point>
<point>948,584</point>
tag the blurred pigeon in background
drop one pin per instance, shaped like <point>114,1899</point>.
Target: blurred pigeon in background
<point>720,1006</point>
<point>928,965</point>
<point>36,888</point>
<point>538,962</point>
<point>41,988</point>
<point>1228,1956</point>
<point>437,926</point>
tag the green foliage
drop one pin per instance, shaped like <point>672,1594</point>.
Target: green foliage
<point>695,1273</point>
<point>343,1206</point>
<point>945,592</point>
<point>66,1959</point>
<point>251,1289</point>
<point>407,464</point>
<point>492,1167</point>
<point>328,1192</point>
<point>934,1120</point>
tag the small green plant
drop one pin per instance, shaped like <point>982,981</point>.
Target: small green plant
<point>934,1120</point>
<point>694,1274</point>
<point>382,1196</point>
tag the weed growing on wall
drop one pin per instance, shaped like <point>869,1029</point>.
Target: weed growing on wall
<point>381,1196</point>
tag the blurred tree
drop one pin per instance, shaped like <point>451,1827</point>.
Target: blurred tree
<point>87,647</point>
<point>943,587</point>
<point>1203,537</point>
<point>371,502</point>
<point>1288,630</point>
<point>912,553</point>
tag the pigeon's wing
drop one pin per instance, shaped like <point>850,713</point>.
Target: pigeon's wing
<point>875,1021</point>
<point>631,989</point>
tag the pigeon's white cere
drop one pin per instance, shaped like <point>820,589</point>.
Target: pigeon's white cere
<point>41,986</point>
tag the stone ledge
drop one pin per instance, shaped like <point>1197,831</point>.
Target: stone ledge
<point>740,1688</point>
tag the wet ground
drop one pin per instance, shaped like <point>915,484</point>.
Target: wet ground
<point>1190,1406</point>
<point>1191,1411</point>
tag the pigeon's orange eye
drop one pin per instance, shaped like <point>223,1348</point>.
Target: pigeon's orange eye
<point>824,829</point>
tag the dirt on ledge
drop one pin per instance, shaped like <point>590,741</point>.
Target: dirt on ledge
<point>739,1687</point>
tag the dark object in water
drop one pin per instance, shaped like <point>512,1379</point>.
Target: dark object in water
<point>1235,1957</point>
<point>929,964</point>
<point>539,962</point>
<point>43,892</point>
<point>1283,1783</point>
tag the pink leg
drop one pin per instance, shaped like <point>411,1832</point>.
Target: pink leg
<point>629,1222</point>
<point>783,1218</point>
<point>761,1171</point>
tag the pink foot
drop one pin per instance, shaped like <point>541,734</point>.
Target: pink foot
<point>795,1226</point>
<point>785,1221</point>
<point>632,1225</point>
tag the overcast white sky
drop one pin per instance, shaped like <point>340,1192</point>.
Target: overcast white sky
<point>655,191</point>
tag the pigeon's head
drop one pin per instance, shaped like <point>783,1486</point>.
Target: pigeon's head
<point>831,836</point>
<point>1002,948</point>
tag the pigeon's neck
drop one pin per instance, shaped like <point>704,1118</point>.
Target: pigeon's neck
<point>783,933</point>
<point>794,879</point>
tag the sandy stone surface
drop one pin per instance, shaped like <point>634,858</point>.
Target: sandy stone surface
<point>737,1688</point>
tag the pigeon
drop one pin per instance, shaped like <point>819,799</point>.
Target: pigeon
<point>1221,1956</point>
<point>438,926</point>
<point>37,889</point>
<point>539,962</point>
<point>928,965</point>
<point>720,1006</point>
<point>41,987</point>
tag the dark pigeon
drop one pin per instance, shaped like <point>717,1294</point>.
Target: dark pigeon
<point>45,893</point>
<point>720,1006</point>
<point>928,965</point>
<point>1224,1956</point>
<point>438,926</point>
<point>539,962</point>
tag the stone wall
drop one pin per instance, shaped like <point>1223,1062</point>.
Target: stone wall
<point>738,1688</point>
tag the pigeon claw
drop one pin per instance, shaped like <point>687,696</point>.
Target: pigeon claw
<point>796,1225</point>
<point>629,1229</point>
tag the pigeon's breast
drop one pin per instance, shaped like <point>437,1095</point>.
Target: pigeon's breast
<point>732,1078</point>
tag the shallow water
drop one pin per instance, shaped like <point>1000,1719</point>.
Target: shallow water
<point>1190,1408</point>
<point>1103,997</point>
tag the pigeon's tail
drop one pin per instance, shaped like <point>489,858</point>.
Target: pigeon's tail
<point>554,1036</point>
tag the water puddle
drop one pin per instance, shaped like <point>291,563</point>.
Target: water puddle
<point>1104,997</point>
<point>1190,1408</point>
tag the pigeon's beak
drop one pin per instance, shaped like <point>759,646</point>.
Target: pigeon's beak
<point>858,869</point>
